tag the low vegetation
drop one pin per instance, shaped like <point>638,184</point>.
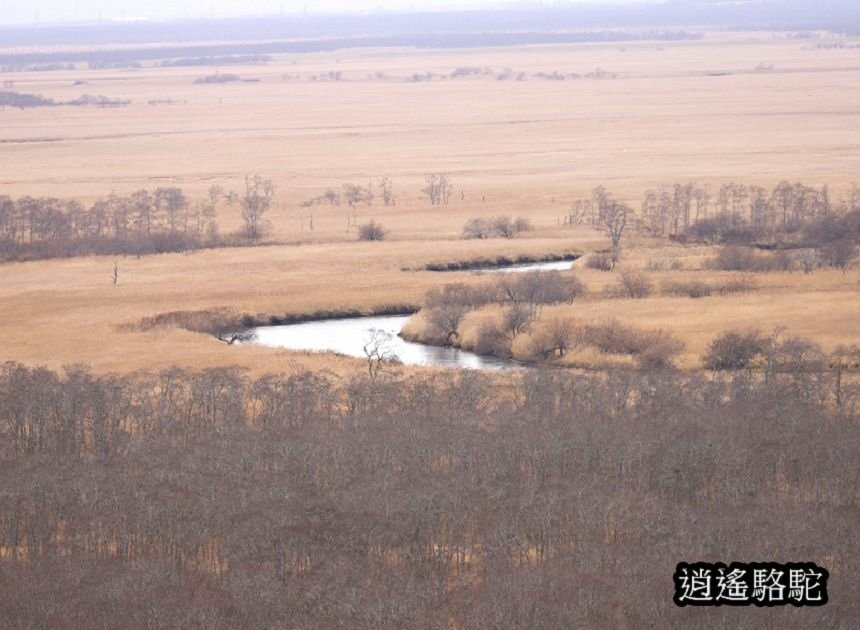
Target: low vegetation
<point>496,227</point>
<point>24,101</point>
<point>224,77</point>
<point>371,231</point>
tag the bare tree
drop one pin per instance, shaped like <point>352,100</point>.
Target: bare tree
<point>478,227</point>
<point>438,189</point>
<point>446,308</point>
<point>517,318</point>
<point>354,194</point>
<point>506,227</point>
<point>255,202</point>
<point>554,337</point>
<point>387,188</point>
<point>615,217</point>
<point>171,201</point>
<point>379,351</point>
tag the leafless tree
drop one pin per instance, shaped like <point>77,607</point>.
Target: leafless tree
<point>387,188</point>
<point>518,317</point>
<point>354,195</point>
<point>379,351</point>
<point>255,202</point>
<point>171,201</point>
<point>615,217</point>
<point>438,189</point>
<point>554,337</point>
<point>506,227</point>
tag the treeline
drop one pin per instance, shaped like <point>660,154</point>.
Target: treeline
<point>305,43</point>
<point>734,213</point>
<point>24,101</point>
<point>552,500</point>
<point>145,222</point>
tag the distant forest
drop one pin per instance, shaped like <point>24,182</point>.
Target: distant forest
<point>418,40</point>
<point>535,25</point>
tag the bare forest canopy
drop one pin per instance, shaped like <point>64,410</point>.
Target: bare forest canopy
<point>444,29</point>
<point>210,500</point>
<point>144,222</point>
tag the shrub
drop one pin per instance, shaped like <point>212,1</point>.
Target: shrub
<point>539,287</point>
<point>690,288</point>
<point>217,78</point>
<point>471,296</point>
<point>491,339</point>
<point>839,253</point>
<point>552,338</point>
<point>735,258</point>
<point>738,284</point>
<point>630,284</point>
<point>503,226</point>
<point>797,355</point>
<point>663,264</point>
<point>372,231</point>
<point>602,261</point>
<point>734,350</point>
<point>478,228</point>
<point>652,348</point>
<point>659,349</point>
<point>506,227</point>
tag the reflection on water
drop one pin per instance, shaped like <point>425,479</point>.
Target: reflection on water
<point>558,265</point>
<point>350,336</point>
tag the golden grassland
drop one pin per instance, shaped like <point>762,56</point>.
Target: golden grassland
<point>821,306</point>
<point>61,312</point>
<point>695,110</point>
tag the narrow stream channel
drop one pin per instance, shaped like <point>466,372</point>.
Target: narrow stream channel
<point>350,336</point>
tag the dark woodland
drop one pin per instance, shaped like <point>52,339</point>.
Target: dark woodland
<point>544,500</point>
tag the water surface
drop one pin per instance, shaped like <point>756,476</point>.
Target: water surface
<point>556,265</point>
<point>360,336</point>
<point>357,335</point>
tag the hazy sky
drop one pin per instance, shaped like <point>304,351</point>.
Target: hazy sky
<point>53,11</point>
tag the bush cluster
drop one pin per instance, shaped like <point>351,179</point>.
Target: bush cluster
<point>502,226</point>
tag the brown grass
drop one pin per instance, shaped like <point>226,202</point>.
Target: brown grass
<point>524,149</point>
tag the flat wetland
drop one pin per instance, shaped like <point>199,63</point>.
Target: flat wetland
<point>673,112</point>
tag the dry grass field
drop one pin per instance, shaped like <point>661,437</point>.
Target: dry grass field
<point>674,112</point>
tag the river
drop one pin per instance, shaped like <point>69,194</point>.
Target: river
<point>355,335</point>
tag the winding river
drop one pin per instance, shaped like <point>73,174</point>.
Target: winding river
<point>353,336</point>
